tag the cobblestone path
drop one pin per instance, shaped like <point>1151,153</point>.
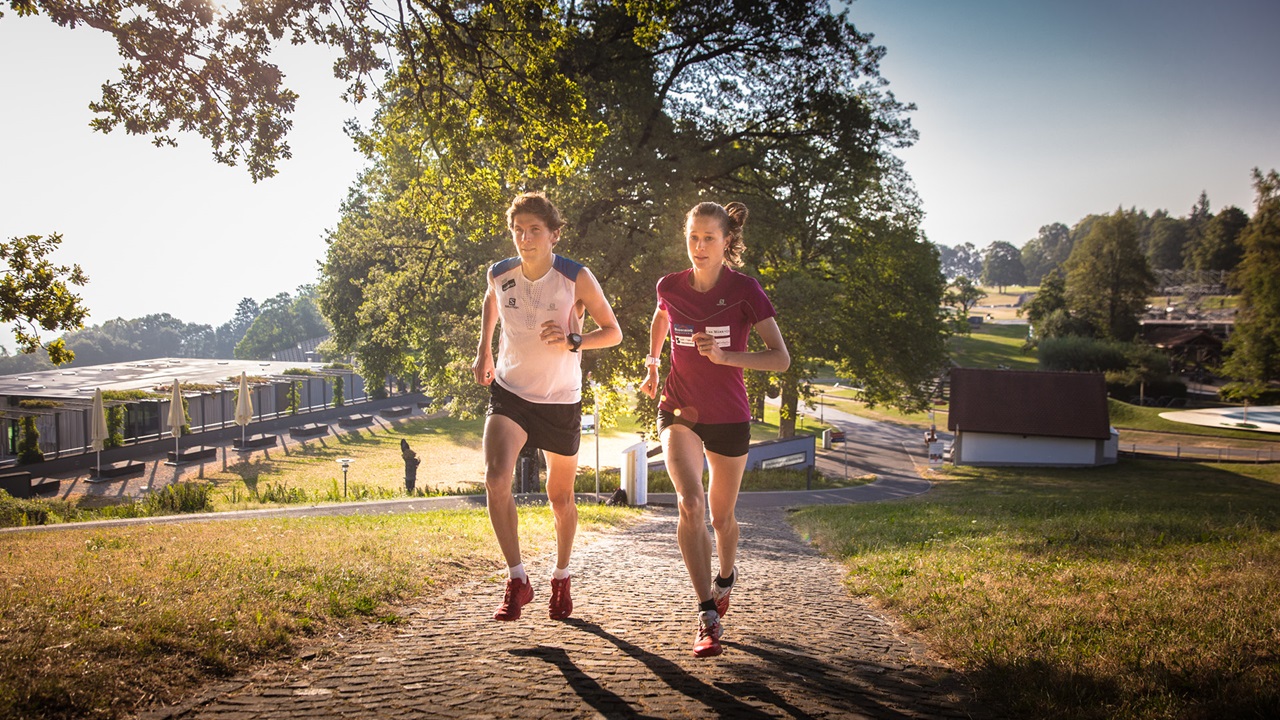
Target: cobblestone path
<point>796,645</point>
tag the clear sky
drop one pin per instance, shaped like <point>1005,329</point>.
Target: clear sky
<point>1028,112</point>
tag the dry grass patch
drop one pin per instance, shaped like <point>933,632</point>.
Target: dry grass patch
<point>1144,590</point>
<point>99,622</point>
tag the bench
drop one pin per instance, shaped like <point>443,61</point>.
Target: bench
<point>397,411</point>
<point>309,430</point>
<point>191,454</point>
<point>20,485</point>
<point>255,441</point>
<point>354,421</point>
<point>120,469</point>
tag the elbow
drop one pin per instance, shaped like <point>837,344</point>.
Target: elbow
<point>613,336</point>
<point>784,360</point>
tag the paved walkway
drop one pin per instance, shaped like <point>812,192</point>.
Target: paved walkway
<point>796,644</point>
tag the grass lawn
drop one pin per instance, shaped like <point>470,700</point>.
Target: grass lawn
<point>1136,417</point>
<point>1142,590</point>
<point>991,346</point>
<point>98,622</point>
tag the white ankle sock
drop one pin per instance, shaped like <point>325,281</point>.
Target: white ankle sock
<point>560,573</point>
<point>517,572</point>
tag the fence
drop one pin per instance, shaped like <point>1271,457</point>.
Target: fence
<point>1178,451</point>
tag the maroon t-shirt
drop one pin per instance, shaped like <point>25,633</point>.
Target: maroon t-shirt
<point>697,389</point>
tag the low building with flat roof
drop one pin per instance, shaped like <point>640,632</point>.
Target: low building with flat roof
<point>64,396</point>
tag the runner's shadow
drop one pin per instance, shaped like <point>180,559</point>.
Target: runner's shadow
<point>677,678</point>
<point>607,703</point>
<point>837,685</point>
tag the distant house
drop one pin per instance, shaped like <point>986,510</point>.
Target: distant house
<point>1189,347</point>
<point>1017,417</point>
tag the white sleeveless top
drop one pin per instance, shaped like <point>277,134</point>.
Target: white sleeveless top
<point>526,366</point>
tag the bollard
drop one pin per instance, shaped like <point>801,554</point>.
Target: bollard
<point>411,462</point>
<point>527,470</point>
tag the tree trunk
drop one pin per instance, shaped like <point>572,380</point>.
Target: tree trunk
<point>790,401</point>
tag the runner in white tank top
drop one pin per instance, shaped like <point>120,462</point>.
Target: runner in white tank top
<point>528,367</point>
<point>536,384</point>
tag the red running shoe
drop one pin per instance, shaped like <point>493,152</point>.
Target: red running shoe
<point>518,594</point>
<point>561,603</point>
<point>721,594</point>
<point>707,643</point>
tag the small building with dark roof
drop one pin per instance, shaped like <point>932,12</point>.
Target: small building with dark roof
<point>1019,417</point>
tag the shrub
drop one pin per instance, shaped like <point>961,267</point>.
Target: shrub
<point>292,398</point>
<point>29,446</point>
<point>180,498</point>
<point>1083,354</point>
<point>338,400</point>
<point>115,427</point>
<point>17,512</point>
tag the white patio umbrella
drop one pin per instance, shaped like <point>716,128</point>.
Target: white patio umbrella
<point>177,418</point>
<point>98,432</point>
<point>244,407</point>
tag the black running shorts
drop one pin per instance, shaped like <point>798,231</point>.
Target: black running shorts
<point>556,428</point>
<point>728,439</point>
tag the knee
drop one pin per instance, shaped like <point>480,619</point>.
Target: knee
<point>724,522</point>
<point>692,508</point>
<point>495,482</point>
<point>562,502</point>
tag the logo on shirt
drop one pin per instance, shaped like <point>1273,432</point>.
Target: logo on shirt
<point>510,283</point>
<point>552,306</point>
<point>721,303</point>
<point>511,302</point>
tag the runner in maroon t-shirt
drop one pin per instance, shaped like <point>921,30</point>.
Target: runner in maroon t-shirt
<point>709,311</point>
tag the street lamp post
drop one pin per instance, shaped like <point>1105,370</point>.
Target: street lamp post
<point>822,417</point>
<point>346,463</point>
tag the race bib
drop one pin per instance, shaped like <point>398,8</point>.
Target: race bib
<point>682,335</point>
<point>721,334</point>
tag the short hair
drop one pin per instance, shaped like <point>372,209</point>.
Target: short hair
<point>536,204</point>
<point>732,217</point>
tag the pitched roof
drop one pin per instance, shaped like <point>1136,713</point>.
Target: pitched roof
<point>1020,402</point>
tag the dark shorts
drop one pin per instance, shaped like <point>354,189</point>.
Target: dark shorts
<point>556,428</point>
<point>728,439</point>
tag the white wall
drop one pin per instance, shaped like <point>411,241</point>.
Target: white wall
<point>995,449</point>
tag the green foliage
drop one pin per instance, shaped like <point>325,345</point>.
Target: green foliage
<point>292,399</point>
<point>115,427</point>
<point>147,337</point>
<point>1252,392</point>
<point>299,371</point>
<point>1048,312</point>
<point>21,512</point>
<point>282,323</point>
<point>1083,354</point>
<point>1254,345</point>
<point>338,399</point>
<point>38,404</point>
<point>962,295</point>
<point>1002,266</point>
<point>29,444</point>
<point>184,497</point>
<point>604,110</point>
<point>1046,252</point>
<point>36,295</point>
<point>1108,279</point>
<point>1216,246</point>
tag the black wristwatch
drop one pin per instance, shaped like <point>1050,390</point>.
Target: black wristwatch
<point>575,341</point>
